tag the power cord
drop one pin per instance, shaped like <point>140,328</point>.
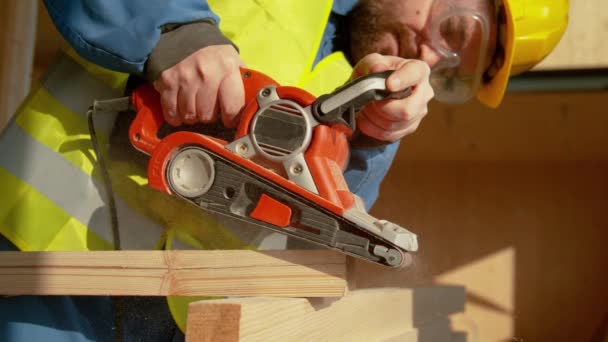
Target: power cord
<point>107,106</point>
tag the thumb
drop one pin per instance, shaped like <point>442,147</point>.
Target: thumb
<point>371,63</point>
<point>369,69</point>
<point>378,67</point>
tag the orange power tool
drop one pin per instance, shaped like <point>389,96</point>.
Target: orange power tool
<point>282,169</point>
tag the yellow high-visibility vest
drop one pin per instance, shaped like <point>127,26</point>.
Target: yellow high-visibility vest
<point>54,197</point>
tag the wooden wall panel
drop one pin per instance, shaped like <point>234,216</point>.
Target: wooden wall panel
<point>48,41</point>
<point>584,43</point>
<point>551,215</point>
<point>17,39</point>
<point>565,126</point>
<point>511,204</point>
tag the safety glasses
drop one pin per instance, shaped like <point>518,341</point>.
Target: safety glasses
<point>460,37</point>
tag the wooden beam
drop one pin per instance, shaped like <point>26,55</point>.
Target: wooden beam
<point>17,40</point>
<point>311,273</point>
<point>531,127</point>
<point>363,315</point>
<point>438,330</point>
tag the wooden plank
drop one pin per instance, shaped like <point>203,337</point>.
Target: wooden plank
<point>363,315</point>
<point>17,41</point>
<point>311,273</point>
<point>439,330</point>
<point>220,322</point>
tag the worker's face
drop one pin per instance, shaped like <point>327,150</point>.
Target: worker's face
<point>405,28</point>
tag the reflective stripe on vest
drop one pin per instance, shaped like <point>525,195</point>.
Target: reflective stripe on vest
<point>43,161</point>
<point>71,198</point>
<point>130,183</point>
<point>48,143</point>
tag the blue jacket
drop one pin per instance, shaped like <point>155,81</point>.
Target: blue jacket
<point>119,35</point>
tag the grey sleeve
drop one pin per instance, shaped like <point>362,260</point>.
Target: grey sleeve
<point>179,42</point>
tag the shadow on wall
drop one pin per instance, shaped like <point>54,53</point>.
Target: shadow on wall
<point>526,234</point>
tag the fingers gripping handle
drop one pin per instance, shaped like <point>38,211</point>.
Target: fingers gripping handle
<point>343,103</point>
<point>362,91</point>
<point>149,119</point>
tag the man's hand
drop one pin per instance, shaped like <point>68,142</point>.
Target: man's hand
<point>391,120</point>
<point>192,90</point>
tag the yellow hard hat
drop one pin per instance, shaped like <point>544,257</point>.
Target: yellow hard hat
<point>529,32</point>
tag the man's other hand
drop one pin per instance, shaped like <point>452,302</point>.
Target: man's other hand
<point>392,119</point>
<point>194,89</point>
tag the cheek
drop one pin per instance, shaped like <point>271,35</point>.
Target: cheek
<point>386,44</point>
<point>414,19</point>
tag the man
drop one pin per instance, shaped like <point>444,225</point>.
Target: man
<point>463,49</point>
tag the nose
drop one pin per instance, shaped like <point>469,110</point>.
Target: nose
<point>429,55</point>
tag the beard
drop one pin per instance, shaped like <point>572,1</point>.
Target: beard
<point>367,20</point>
